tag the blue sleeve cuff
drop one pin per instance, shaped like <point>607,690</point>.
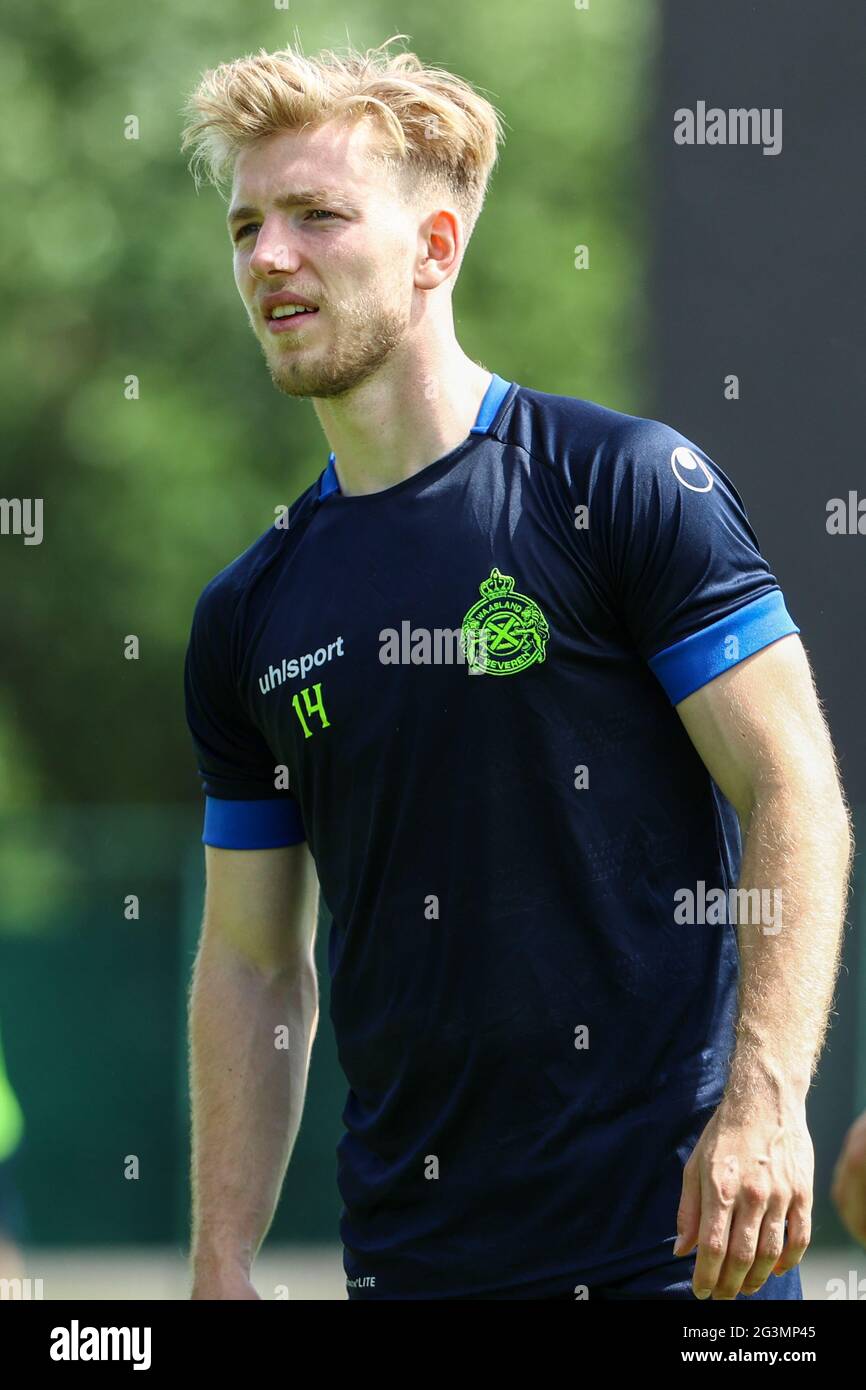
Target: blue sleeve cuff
<point>691,663</point>
<point>265,824</point>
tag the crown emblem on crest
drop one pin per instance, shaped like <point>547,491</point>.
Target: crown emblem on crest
<point>497,586</point>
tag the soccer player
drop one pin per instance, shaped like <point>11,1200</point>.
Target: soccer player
<point>507,683</point>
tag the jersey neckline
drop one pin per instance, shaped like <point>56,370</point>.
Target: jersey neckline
<point>498,393</point>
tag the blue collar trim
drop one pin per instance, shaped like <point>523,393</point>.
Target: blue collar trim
<point>493,398</point>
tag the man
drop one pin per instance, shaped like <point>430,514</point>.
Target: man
<point>523,835</point>
<point>849,1180</point>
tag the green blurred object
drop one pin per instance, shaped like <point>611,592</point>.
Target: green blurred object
<point>11,1114</point>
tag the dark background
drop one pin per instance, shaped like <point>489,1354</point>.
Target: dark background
<point>758,271</point>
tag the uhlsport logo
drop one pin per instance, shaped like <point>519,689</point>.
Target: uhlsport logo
<point>504,632</point>
<point>690,470</point>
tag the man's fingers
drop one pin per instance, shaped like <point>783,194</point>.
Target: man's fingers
<point>712,1245</point>
<point>798,1236</point>
<point>743,1236</point>
<point>771,1243</point>
<point>689,1211</point>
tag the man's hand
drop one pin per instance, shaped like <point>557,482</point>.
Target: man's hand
<point>746,1177</point>
<point>849,1180</point>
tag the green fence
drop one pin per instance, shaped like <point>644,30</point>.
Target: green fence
<point>92,1007</point>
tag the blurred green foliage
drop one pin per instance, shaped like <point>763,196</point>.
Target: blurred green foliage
<point>114,266</point>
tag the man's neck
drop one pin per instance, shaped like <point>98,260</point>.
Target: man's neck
<point>402,419</point>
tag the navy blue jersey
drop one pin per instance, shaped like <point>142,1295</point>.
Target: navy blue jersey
<point>460,690</point>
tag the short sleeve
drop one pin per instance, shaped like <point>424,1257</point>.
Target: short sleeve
<point>685,568</point>
<point>243,807</point>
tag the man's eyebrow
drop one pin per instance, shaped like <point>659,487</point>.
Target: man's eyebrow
<point>305,197</point>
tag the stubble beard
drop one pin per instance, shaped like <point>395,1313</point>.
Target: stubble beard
<point>367,333</point>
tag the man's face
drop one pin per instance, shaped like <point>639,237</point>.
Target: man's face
<point>311,216</point>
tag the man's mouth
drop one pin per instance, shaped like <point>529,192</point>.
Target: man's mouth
<point>288,317</point>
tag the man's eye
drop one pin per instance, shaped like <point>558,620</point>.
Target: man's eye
<point>321,212</point>
<point>245,231</point>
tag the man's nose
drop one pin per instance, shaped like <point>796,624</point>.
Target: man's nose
<point>274,253</point>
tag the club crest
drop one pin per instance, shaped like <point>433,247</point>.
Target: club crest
<point>504,632</point>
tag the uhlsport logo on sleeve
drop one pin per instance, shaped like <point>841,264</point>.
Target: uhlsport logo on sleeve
<point>504,632</point>
<point>690,470</point>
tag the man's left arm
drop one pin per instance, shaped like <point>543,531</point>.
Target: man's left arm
<point>761,734</point>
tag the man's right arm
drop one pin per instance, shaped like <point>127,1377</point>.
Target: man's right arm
<point>254,978</point>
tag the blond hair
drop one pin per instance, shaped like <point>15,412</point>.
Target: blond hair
<point>437,131</point>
